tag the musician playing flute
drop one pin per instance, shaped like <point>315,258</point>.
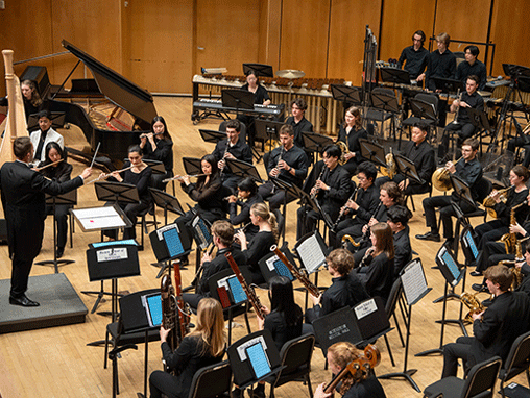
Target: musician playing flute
<point>139,175</point>
<point>22,192</point>
<point>465,128</point>
<point>468,168</point>
<point>330,190</point>
<point>233,147</point>
<point>223,238</point>
<point>288,163</point>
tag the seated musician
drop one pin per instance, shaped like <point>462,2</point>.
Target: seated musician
<point>520,141</point>
<point>470,99</point>
<point>223,238</point>
<point>260,245</point>
<point>262,98</point>
<point>414,57</point>
<point>32,100</point>
<point>288,163</point>
<point>57,169</point>
<point>233,148</point>
<point>339,355</point>
<point>440,63</point>
<point>495,328</point>
<point>298,121</point>
<point>330,190</point>
<point>41,138</point>
<point>350,132</point>
<point>247,195</point>
<point>157,145</point>
<point>363,207</point>
<point>524,268</point>
<point>204,346</point>
<point>492,231</point>
<point>346,288</point>
<point>376,269</point>
<point>472,66</point>
<point>467,168</point>
<point>421,153</point>
<point>139,175</point>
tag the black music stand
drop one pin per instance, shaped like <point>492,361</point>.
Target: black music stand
<point>156,166</point>
<point>259,69</point>
<point>116,192</point>
<point>407,168</point>
<point>271,265</point>
<point>394,76</point>
<point>239,99</point>
<point>452,273</point>
<point>448,85</point>
<point>168,202</point>
<point>212,136</point>
<point>56,117</point>
<point>315,142</point>
<point>423,110</point>
<point>462,190</point>
<point>373,152</point>
<point>345,93</point>
<point>268,130</point>
<point>242,169</point>
<point>388,103</point>
<point>415,288</point>
<point>192,165</point>
<point>69,198</point>
<point>339,326</point>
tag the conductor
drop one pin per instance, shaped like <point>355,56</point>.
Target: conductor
<point>23,200</point>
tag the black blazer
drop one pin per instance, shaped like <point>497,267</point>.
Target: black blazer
<point>218,263</point>
<point>23,198</point>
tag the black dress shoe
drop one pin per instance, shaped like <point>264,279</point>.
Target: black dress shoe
<point>23,301</point>
<point>429,236</point>
<point>479,287</point>
<point>60,252</point>
<point>476,273</point>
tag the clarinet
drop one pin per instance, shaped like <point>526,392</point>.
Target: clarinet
<point>183,309</point>
<point>251,294</point>
<point>314,194</point>
<point>224,154</point>
<point>278,167</point>
<point>343,210</point>
<point>366,233</point>
<point>310,286</point>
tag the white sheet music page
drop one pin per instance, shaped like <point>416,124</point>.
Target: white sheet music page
<point>98,217</point>
<point>414,281</point>
<point>311,254</point>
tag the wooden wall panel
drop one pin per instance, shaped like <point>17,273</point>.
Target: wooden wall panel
<point>347,32</point>
<point>227,33</point>
<point>304,40</point>
<point>401,18</point>
<point>157,44</point>
<point>270,33</point>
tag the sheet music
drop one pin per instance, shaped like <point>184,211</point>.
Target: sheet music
<point>414,281</point>
<point>311,254</point>
<point>104,217</point>
<point>258,360</point>
<point>241,350</point>
<point>153,308</point>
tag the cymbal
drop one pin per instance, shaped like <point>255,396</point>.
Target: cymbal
<point>290,73</point>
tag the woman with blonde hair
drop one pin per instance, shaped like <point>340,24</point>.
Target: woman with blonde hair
<point>377,266</point>
<point>259,246</point>
<point>204,346</point>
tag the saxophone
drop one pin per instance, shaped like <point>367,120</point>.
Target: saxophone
<point>509,238</point>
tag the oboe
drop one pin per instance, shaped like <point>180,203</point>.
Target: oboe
<point>310,286</point>
<point>316,190</point>
<point>251,294</point>
<point>343,210</point>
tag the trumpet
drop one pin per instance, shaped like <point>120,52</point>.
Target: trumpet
<point>184,176</point>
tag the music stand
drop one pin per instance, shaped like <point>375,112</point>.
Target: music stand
<point>373,152</point>
<point>452,273</point>
<point>415,288</point>
<point>116,192</point>
<point>271,265</point>
<point>315,142</point>
<point>339,326</point>
<point>166,201</point>
<point>462,190</point>
<point>423,109</point>
<point>242,169</point>
<point>345,93</point>
<point>56,117</point>
<point>407,168</point>
<point>192,165</point>
<point>394,76</point>
<point>479,119</point>
<point>259,69</point>
<point>212,136</point>
<point>70,199</point>
<point>239,99</point>
<point>448,85</point>
<point>385,102</point>
<point>156,166</point>
<point>268,130</point>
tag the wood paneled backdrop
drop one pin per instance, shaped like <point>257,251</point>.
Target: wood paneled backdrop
<point>161,44</point>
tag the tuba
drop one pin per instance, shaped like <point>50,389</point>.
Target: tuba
<point>474,305</point>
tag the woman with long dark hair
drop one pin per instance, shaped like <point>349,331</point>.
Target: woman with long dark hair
<point>204,346</point>
<point>157,145</point>
<point>246,197</point>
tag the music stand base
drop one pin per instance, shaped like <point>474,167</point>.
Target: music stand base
<point>56,263</point>
<point>407,375</point>
<point>99,299</point>
<point>450,296</point>
<point>434,351</point>
<point>455,322</point>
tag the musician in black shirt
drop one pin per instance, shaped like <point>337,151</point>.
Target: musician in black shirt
<point>287,163</point>
<point>246,197</point>
<point>330,190</point>
<point>233,148</point>
<point>350,133</point>
<point>470,99</point>
<point>157,145</point>
<point>398,219</point>
<point>415,56</point>
<point>468,168</point>
<point>421,153</point>
<point>472,66</point>
<point>298,121</point>
<point>440,63</point>
<point>262,98</point>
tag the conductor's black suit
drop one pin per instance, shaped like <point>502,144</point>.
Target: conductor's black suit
<point>23,199</point>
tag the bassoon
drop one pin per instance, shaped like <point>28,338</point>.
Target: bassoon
<point>310,286</point>
<point>251,294</point>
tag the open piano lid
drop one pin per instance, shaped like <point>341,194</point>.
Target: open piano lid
<point>117,88</point>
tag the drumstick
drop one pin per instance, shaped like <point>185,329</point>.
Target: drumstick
<point>95,154</point>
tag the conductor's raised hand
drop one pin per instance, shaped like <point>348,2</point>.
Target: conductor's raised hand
<point>86,173</point>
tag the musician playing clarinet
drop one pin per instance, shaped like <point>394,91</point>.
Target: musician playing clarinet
<point>330,190</point>
<point>287,163</point>
<point>233,148</point>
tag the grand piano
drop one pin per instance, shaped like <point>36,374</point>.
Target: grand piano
<point>109,109</point>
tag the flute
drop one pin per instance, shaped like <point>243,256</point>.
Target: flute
<point>105,176</point>
<point>184,176</point>
<point>49,165</point>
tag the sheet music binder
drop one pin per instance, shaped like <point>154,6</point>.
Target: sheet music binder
<point>169,242</point>
<point>312,264</point>
<point>449,267</point>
